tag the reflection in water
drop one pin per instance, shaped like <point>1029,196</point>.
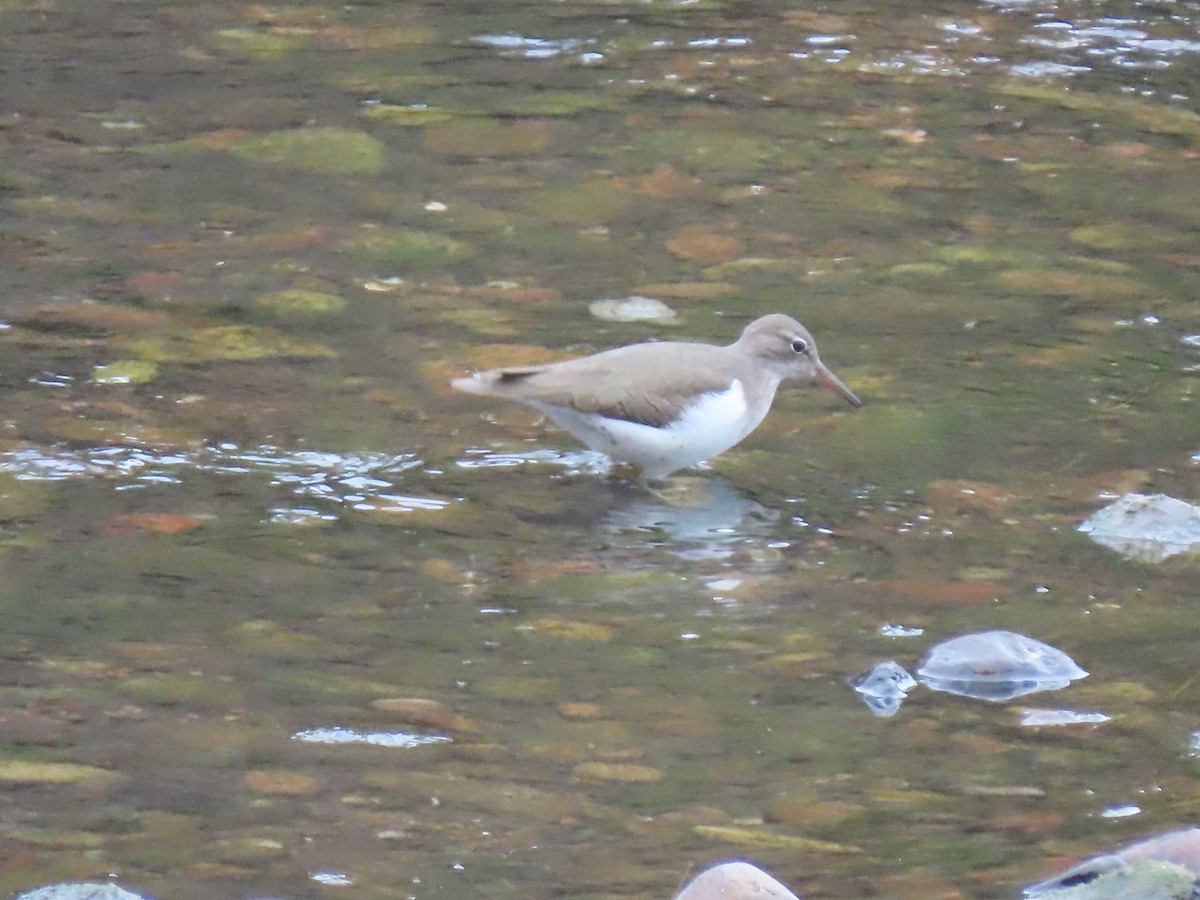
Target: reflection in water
<point>701,518</point>
<point>704,518</point>
<point>338,879</point>
<point>1111,39</point>
<point>338,735</point>
<point>727,42</point>
<point>528,47</point>
<point>884,687</point>
<point>896,630</point>
<point>576,462</point>
<point>1041,718</point>
<point>1121,811</point>
<point>52,379</point>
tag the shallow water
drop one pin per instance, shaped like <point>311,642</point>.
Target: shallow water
<point>244,521</point>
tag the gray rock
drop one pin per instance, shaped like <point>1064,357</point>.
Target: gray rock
<point>1148,879</point>
<point>632,309</point>
<point>996,666</point>
<point>884,687</point>
<point>1177,851</point>
<point>1149,527</point>
<point>735,880</point>
<point>80,892</point>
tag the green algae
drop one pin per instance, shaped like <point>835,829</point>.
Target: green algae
<point>256,43</point>
<point>744,265</point>
<point>33,772</point>
<point>392,83</point>
<point>557,103</point>
<point>918,270</point>
<point>310,683</point>
<point>54,838</point>
<point>518,688</point>
<point>395,114</point>
<point>170,689</point>
<point>1060,283</point>
<point>271,640</point>
<point>384,250</point>
<point>222,342</point>
<point>296,303</point>
<point>593,202</point>
<point>20,499</point>
<point>1129,236</point>
<point>334,151</point>
<point>1145,879</point>
<point>1152,117</point>
<point>482,320</point>
<point>486,138</point>
<point>986,255</point>
<point>114,432</point>
<point>376,37</point>
<point>125,371</point>
<point>699,150</point>
<point>762,839</point>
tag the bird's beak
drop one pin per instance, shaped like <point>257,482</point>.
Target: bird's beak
<point>836,385</point>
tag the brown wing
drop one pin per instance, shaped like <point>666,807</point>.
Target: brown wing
<point>645,383</point>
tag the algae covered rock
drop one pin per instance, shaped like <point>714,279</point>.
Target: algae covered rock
<point>403,249</point>
<point>335,151</point>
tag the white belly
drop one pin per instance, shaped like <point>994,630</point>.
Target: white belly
<point>709,427</point>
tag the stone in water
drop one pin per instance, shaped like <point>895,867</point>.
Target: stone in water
<point>1180,848</point>
<point>1149,527</point>
<point>996,666</point>
<point>632,309</point>
<point>884,687</point>
<point>736,880</point>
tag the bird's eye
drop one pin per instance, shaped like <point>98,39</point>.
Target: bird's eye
<point>800,345</point>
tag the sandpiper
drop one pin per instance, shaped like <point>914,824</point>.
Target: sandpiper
<point>663,406</point>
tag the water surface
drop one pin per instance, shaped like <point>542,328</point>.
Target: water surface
<point>284,616</point>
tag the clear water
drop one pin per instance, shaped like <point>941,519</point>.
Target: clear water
<point>245,248</point>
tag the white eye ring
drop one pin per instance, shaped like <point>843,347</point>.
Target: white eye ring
<point>800,345</point>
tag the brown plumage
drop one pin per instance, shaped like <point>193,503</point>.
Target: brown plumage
<point>665,405</point>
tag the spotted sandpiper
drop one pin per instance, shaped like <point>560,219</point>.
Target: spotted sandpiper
<point>666,405</point>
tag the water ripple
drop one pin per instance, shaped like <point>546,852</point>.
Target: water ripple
<point>338,735</point>
<point>528,47</point>
<point>361,481</point>
<point>576,462</point>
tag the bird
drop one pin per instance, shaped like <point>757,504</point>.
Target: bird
<point>666,405</point>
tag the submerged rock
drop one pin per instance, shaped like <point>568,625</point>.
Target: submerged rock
<point>336,151</point>
<point>1148,527</point>
<point>1166,866</point>
<point>736,880</point>
<point>296,303</point>
<point>996,666</point>
<point>632,309</point>
<point>404,249</point>
<point>884,687</point>
<point>1145,880</point>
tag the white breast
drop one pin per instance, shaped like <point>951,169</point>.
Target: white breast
<point>713,424</point>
